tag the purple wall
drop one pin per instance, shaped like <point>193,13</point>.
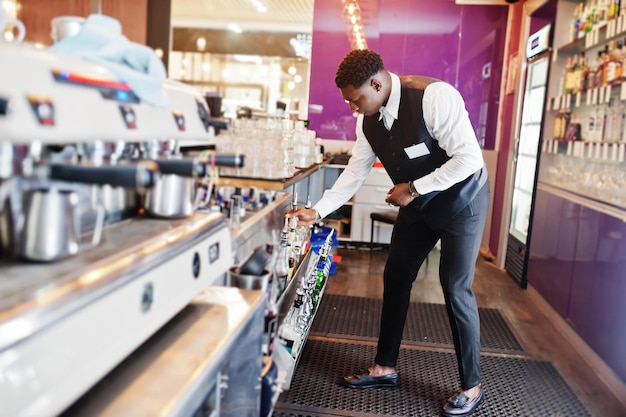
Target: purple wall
<point>578,264</point>
<point>462,45</point>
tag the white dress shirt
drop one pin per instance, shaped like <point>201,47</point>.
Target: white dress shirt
<point>447,121</point>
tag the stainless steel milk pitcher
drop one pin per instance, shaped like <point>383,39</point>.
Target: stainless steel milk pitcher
<point>49,225</point>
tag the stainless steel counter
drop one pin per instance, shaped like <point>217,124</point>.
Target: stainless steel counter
<point>213,343</point>
<point>65,325</point>
<point>41,293</point>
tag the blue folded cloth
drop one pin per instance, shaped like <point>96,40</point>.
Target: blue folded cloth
<point>101,41</point>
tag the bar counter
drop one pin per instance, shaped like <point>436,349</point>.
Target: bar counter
<point>206,358</point>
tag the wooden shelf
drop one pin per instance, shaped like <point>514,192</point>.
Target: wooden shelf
<point>268,184</point>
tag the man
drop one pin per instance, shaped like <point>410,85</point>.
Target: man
<point>419,129</point>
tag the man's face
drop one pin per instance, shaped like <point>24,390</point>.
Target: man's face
<point>366,99</point>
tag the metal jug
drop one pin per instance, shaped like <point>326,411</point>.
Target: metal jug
<point>49,225</point>
<point>171,197</point>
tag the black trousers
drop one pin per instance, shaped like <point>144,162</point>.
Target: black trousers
<point>460,243</point>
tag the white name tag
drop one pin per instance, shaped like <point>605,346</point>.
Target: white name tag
<point>415,151</point>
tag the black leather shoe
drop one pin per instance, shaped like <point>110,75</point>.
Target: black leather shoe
<point>460,405</point>
<point>363,379</point>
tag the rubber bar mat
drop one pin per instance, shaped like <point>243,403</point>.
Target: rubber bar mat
<point>345,317</point>
<point>513,386</point>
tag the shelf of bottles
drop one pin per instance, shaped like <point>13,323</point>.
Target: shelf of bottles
<point>293,303</point>
<point>584,140</point>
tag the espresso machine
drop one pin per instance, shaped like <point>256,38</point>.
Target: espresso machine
<point>101,238</point>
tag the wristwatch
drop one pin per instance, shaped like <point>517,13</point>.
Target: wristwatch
<point>412,191</point>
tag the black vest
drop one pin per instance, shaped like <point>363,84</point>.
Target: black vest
<point>437,207</point>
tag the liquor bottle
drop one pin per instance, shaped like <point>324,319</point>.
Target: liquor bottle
<point>303,233</point>
<point>575,26</point>
<point>324,263</point>
<point>573,128</point>
<point>622,58</point>
<point>569,76</point>
<point>617,57</point>
<point>611,63</point>
<point>281,268</point>
<point>597,119</point>
<point>577,73</point>
<point>598,69</point>
<point>591,75</point>
<point>610,11</point>
<point>611,123</point>
<point>584,73</point>
<point>290,331</point>
<point>621,117</point>
<point>622,137</point>
<point>271,307</point>
<point>559,126</point>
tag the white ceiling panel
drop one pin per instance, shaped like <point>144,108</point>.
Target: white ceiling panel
<point>281,15</point>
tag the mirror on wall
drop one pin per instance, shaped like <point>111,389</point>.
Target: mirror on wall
<point>252,54</point>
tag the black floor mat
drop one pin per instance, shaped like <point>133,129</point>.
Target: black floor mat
<point>426,325</point>
<point>513,386</point>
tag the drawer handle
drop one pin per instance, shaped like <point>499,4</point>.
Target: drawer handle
<point>382,189</point>
<point>385,208</point>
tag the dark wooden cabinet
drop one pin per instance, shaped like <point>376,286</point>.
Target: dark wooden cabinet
<point>37,15</point>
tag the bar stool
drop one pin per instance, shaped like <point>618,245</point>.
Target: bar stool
<point>387,217</point>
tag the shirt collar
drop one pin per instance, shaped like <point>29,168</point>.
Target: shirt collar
<point>390,111</point>
<point>393,103</point>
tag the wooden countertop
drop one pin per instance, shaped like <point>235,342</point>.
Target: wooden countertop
<point>270,184</point>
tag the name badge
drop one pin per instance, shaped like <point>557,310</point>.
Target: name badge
<point>415,151</point>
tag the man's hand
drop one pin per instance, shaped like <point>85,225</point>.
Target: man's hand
<point>305,217</point>
<point>399,195</point>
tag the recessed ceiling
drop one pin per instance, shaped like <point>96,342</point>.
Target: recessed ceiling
<point>281,15</point>
<point>484,2</point>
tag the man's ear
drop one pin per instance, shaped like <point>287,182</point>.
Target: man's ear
<point>376,84</point>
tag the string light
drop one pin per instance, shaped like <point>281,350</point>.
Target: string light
<point>354,27</point>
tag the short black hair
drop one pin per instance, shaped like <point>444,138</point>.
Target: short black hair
<point>357,67</point>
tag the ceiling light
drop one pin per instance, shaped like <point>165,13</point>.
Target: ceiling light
<point>301,45</point>
<point>10,8</point>
<point>259,6</point>
<point>201,44</point>
<point>233,27</point>
<point>252,59</point>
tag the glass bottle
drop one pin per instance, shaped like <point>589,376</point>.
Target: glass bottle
<point>290,331</point>
<point>281,268</point>
<point>271,309</point>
